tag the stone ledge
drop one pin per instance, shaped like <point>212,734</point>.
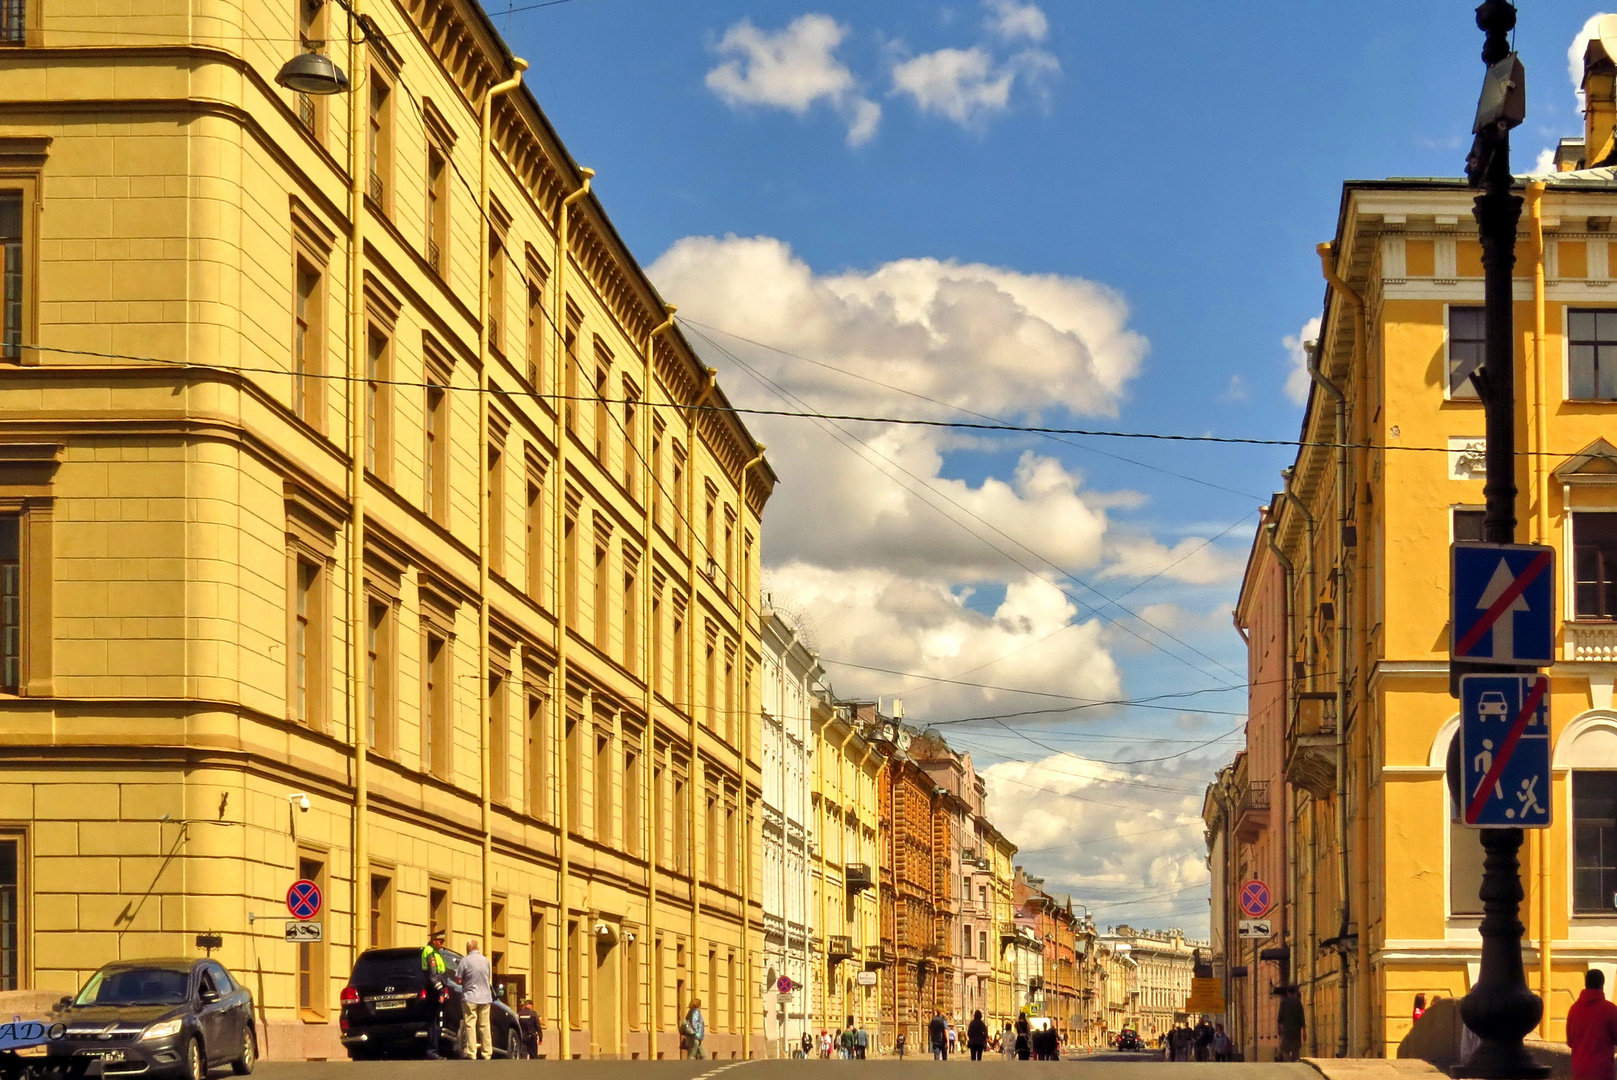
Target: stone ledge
<point>1375,1068</point>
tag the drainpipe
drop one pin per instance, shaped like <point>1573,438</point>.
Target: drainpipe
<point>1342,629</point>
<point>746,719</point>
<point>649,754</point>
<point>559,705</point>
<point>1288,574</point>
<point>358,616</point>
<point>484,255</point>
<point>691,414</point>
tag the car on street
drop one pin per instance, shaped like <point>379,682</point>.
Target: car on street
<point>167,1017</point>
<point>388,1001</point>
<point>1129,1040</point>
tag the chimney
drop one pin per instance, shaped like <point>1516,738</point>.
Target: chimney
<point>1600,92</point>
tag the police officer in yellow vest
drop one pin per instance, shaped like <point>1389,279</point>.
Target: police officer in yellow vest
<point>437,972</point>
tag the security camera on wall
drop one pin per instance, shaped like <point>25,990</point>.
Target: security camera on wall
<point>299,800</point>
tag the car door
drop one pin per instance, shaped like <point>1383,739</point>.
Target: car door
<point>451,1013</point>
<point>234,1006</point>
<point>209,1007</point>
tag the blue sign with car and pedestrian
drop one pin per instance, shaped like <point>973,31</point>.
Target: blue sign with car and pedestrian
<point>1505,751</point>
<point>1503,603</point>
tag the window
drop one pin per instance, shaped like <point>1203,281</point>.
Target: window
<point>312,989</point>
<point>681,691</point>
<point>603,587</point>
<point>381,911</point>
<point>538,759</point>
<point>575,772</point>
<point>12,303</point>
<point>536,334</point>
<point>496,289</point>
<point>575,980</point>
<point>570,376</point>
<point>730,715</point>
<point>967,950</point>
<point>710,536</point>
<point>1466,341</point>
<point>569,577</point>
<point>732,850</point>
<point>499,939</point>
<point>631,613</point>
<point>603,788</point>
<point>659,814</point>
<point>631,439</point>
<point>631,801</point>
<point>537,962</point>
<point>11,928</point>
<point>438,211</point>
<point>982,944</point>
<point>533,532</point>
<point>1594,570</point>
<point>679,511</point>
<point>710,699</point>
<point>436,730</point>
<point>603,415</point>
<point>656,478</point>
<point>499,741</point>
<point>1592,355</point>
<point>311,108</point>
<point>378,403</point>
<point>654,664</point>
<point>681,823</point>
<point>436,461</point>
<point>1468,524</point>
<point>11,636</point>
<point>729,553</point>
<point>711,832</point>
<point>309,661</point>
<point>1594,842</point>
<point>496,506</point>
<point>438,906</point>
<point>379,677</point>
<point>308,344</point>
<point>379,140</point>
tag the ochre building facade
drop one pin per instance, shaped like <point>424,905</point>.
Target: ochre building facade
<point>347,455</point>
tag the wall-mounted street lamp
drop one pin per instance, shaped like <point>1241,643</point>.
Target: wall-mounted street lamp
<point>313,73</point>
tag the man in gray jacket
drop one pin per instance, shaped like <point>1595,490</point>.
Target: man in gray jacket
<point>476,1002</point>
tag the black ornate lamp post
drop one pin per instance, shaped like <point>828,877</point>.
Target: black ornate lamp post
<point>1500,1009</point>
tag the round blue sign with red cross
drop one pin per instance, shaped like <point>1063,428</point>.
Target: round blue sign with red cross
<point>1255,899</point>
<point>303,899</point>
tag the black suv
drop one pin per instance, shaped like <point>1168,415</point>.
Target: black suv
<point>178,1017</point>
<point>387,1004</point>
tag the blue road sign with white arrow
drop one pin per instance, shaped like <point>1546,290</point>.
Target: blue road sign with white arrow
<point>1503,604</point>
<point>1505,751</point>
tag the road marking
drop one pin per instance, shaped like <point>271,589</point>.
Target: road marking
<point>722,1068</point>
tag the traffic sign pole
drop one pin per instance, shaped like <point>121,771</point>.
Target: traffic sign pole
<point>1500,1009</point>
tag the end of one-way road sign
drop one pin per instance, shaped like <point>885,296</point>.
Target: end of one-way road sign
<point>1503,598</point>
<point>1505,751</point>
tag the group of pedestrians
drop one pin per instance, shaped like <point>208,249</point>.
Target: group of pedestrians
<point>849,1044</point>
<point>1207,1041</point>
<point>475,981</point>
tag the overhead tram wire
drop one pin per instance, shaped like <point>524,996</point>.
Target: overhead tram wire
<point>963,409</point>
<point>1095,609</point>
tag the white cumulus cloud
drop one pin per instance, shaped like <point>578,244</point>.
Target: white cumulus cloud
<point>968,85</point>
<point>1192,561</point>
<point>1011,20</point>
<point>794,69</point>
<point>1297,378</point>
<point>1580,42</point>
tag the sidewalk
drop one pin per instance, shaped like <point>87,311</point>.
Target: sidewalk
<point>1375,1069</point>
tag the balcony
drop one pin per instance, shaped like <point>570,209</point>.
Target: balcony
<point>1590,641</point>
<point>858,878</point>
<point>1252,815</point>
<point>838,947</point>
<point>1311,749</point>
<point>1035,983</point>
<point>877,957</point>
<point>1008,933</point>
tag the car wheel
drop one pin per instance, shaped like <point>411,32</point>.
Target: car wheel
<point>513,1045</point>
<point>196,1061</point>
<point>249,1053</point>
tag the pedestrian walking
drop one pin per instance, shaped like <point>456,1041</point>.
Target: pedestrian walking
<point>938,1031</point>
<point>977,1036</point>
<point>437,973</point>
<point>861,1042</point>
<point>1291,1021</point>
<point>533,1030</point>
<point>899,1045</point>
<point>476,1003</point>
<point>1007,1042</point>
<point>1024,1049</point>
<point>1221,1043</point>
<point>1591,1030</point>
<point>692,1030</point>
<point>1202,1038</point>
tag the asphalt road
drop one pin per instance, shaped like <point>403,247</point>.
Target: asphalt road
<point>1094,1067</point>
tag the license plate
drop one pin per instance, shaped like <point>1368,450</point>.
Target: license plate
<point>104,1055</point>
<point>380,1005</point>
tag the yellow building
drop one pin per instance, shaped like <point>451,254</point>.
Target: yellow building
<point>362,518</point>
<point>1383,891</point>
<point>1001,854</point>
<point>844,859</point>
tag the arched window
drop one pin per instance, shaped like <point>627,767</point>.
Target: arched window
<point>1588,749</point>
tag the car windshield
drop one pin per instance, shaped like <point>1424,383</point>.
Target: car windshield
<point>135,986</point>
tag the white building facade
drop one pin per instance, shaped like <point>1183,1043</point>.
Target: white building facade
<point>791,686</point>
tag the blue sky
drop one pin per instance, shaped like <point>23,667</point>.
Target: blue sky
<point>1159,170</point>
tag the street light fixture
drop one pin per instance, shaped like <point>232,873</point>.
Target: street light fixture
<point>313,73</point>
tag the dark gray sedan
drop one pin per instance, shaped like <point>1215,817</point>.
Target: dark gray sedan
<point>168,1017</point>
